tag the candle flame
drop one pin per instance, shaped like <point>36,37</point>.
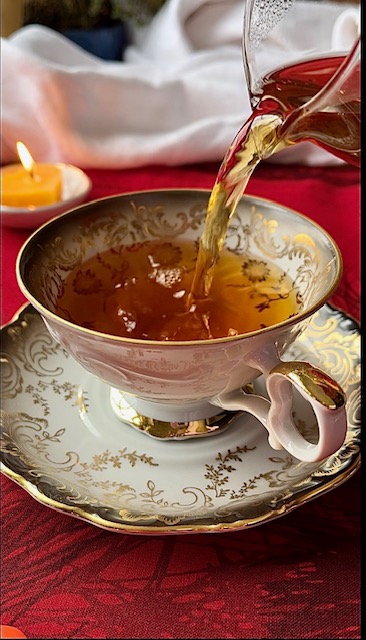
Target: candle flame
<point>25,158</point>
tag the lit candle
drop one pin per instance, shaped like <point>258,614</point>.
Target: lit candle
<point>29,183</point>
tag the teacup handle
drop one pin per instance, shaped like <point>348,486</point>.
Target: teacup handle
<point>324,394</point>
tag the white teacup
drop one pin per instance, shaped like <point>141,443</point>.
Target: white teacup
<point>190,381</point>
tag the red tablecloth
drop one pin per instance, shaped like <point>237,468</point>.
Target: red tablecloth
<point>294,577</point>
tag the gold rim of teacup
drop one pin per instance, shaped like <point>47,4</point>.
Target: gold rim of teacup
<point>299,317</point>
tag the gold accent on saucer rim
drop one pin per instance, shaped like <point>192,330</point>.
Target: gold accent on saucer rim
<point>238,525</point>
<point>284,505</point>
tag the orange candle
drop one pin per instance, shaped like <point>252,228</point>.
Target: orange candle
<point>30,184</point>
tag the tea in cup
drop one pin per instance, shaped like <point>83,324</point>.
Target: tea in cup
<point>111,280</point>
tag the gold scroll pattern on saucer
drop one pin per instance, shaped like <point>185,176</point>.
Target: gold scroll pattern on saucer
<point>236,481</point>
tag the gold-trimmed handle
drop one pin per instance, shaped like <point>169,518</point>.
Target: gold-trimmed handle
<point>327,399</point>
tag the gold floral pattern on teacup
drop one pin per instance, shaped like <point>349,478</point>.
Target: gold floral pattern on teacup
<point>250,232</point>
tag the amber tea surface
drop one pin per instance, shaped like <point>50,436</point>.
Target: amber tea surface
<point>141,291</point>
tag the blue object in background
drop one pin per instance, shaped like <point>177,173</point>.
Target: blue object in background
<point>108,43</point>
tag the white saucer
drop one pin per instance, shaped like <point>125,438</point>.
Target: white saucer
<point>63,444</point>
<point>76,185</point>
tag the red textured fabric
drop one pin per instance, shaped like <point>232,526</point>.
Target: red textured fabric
<point>295,577</point>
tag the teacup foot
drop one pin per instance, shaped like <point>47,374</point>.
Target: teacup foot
<point>166,430</point>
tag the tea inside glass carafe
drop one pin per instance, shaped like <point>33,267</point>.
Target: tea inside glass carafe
<point>330,117</point>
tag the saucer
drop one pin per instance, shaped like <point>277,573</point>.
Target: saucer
<point>76,185</point>
<point>62,442</point>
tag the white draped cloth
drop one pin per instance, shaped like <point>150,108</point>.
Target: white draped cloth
<point>179,96</point>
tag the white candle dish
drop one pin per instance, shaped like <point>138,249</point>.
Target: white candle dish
<point>76,186</point>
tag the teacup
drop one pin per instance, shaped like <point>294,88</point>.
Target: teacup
<point>194,382</point>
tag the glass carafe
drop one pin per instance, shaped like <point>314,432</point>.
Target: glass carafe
<point>302,63</point>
